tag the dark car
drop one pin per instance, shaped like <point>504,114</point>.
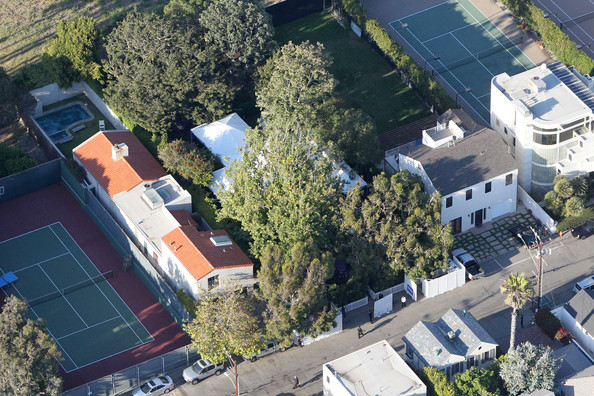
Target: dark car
<point>584,231</point>
<point>525,236</point>
<point>473,269</point>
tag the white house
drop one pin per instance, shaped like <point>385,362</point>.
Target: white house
<point>577,317</point>
<point>453,344</point>
<point>545,116</point>
<point>374,370</point>
<point>155,212</point>
<point>225,136</point>
<point>474,173</point>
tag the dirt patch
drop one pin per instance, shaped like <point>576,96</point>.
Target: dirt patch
<point>16,135</point>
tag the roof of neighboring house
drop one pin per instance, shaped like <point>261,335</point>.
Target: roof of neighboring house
<point>579,384</point>
<point>199,255</point>
<point>223,136</point>
<point>478,157</point>
<point>581,308</point>
<point>183,217</point>
<point>432,343</point>
<point>407,133</point>
<point>461,118</point>
<point>117,176</point>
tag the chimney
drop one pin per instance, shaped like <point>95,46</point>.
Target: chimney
<point>118,151</point>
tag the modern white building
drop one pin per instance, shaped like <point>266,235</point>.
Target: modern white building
<point>453,344</point>
<point>474,173</point>
<point>374,370</point>
<point>545,116</point>
<point>224,138</point>
<point>155,212</point>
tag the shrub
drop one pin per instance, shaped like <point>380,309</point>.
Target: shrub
<point>437,382</point>
<point>572,222</point>
<point>187,301</point>
<point>547,321</point>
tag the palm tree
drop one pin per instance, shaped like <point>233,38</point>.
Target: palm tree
<point>518,290</point>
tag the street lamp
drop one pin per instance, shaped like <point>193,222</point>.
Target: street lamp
<point>467,89</point>
<point>427,60</point>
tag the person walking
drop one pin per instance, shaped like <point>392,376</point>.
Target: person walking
<point>300,341</point>
<point>522,320</point>
<point>296,382</point>
<point>403,301</point>
<point>359,331</point>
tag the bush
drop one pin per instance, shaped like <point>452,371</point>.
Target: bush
<point>548,322</point>
<point>14,160</point>
<point>187,301</point>
<point>347,293</point>
<point>437,382</point>
<point>571,222</point>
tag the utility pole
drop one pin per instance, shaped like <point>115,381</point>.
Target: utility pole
<point>540,253</point>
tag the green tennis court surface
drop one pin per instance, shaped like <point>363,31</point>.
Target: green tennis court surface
<point>84,314</point>
<point>464,47</point>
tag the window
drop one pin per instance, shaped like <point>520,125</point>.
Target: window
<point>472,218</point>
<point>487,187</point>
<point>449,202</point>
<point>213,282</point>
<point>514,142</point>
<point>470,362</point>
<point>509,179</point>
<point>505,130</point>
<point>468,195</point>
<point>409,352</point>
<point>455,368</point>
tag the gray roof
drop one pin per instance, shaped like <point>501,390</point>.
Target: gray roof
<point>461,118</point>
<point>581,308</point>
<point>427,338</point>
<point>478,157</point>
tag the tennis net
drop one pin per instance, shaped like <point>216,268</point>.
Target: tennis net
<point>578,20</point>
<point>69,289</point>
<point>474,57</point>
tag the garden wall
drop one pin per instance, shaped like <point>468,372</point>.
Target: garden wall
<point>536,210</point>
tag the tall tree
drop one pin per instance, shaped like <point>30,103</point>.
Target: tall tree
<point>518,291</point>
<point>74,47</point>
<point>283,190</point>
<point>401,223</point>
<point>28,355</point>
<point>294,286</point>
<point>293,84</point>
<point>241,31</point>
<point>160,74</point>
<point>225,326</point>
<point>528,368</point>
<point>186,159</point>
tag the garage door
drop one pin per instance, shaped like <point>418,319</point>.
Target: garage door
<point>502,208</point>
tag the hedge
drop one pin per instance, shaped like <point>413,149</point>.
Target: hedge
<point>571,222</point>
<point>380,37</point>
<point>187,301</point>
<point>437,382</point>
<point>551,35</point>
<point>547,321</point>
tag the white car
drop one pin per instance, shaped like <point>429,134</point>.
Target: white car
<point>586,284</point>
<point>155,386</point>
<point>473,269</point>
<point>202,369</point>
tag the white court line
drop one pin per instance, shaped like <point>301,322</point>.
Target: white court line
<point>96,285</point>
<point>65,298</point>
<point>456,77</point>
<point>419,12</point>
<point>41,262</point>
<point>47,328</point>
<point>568,17</point>
<point>496,39</point>
<point>482,96</point>
<point>96,324</point>
<point>474,56</point>
<point>450,32</point>
<point>30,232</point>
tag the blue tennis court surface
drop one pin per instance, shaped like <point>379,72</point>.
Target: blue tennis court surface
<point>465,48</point>
<point>84,314</point>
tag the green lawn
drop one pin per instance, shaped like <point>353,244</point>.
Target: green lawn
<point>365,79</point>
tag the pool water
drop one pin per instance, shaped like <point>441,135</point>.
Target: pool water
<point>55,123</point>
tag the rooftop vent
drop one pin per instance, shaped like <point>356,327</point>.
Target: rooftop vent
<point>536,84</point>
<point>436,352</point>
<point>451,335</point>
<point>222,240</point>
<point>118,151</point>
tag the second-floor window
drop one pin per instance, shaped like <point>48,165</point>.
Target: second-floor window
<point>468,195</point>
<point>509,179</point>
<point>487,187</point>
<point>449,202</point>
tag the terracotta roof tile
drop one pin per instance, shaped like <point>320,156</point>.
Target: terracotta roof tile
<point>199,255</point>
<point>124,174</point>
<point>183,217</point>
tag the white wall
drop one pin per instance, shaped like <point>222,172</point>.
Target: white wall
<point>480,200</point>
<point>445,283</point>
<point>416,168</point>
<point>537,211</point>
<point>584,338</point>
<point>333,386</point>
<point>178,273</point>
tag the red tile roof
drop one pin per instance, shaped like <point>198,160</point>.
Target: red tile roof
<point>122,175</point>
<point>199,255</point>
<point>183,217</point>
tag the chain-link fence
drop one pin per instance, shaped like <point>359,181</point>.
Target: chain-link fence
<point>124,380</point>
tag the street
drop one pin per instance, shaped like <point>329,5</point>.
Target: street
<point>570,261</point>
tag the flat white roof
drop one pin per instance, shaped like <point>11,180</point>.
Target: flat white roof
<point>376,370</point>
<point>554,104</point>
<point>222,137</point>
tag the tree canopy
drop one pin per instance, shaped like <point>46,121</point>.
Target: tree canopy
<point>14,160</point>
<point>399,224</point>
<point>518,291</point>
<point>186,159</point>
<point>28,355</point>
<point>241,31</point>
<point>528,368</point>
<point>159,74</point>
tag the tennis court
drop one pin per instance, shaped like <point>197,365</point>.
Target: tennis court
<point>84,314</point>
<point>461,45</point>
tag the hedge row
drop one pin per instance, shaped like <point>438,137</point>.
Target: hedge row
<point>552,36</point>
<point>571,222</point>
<point>547,321</point>
<point>187,301</point>
<point>378,35</point>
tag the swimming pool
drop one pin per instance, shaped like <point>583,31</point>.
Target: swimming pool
<point>56,122</point>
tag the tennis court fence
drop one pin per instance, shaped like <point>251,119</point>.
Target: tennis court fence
<point>578,20</point>
<point>124,380</point>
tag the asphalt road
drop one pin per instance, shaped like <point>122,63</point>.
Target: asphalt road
<point>570,260</point>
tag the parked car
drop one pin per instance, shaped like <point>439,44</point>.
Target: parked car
<point>202,369</point>
<point>473,269</point>
<point>269,348</point>
<point>584,231</point>
<point>525,236</point>
<point>586,284</point>
<point>155,386</point>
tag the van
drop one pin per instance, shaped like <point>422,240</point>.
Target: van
<point>587,284</point>
<point>269,348</point>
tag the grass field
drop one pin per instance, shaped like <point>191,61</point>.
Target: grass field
<point>365,79</point>
<point>28,24</point>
